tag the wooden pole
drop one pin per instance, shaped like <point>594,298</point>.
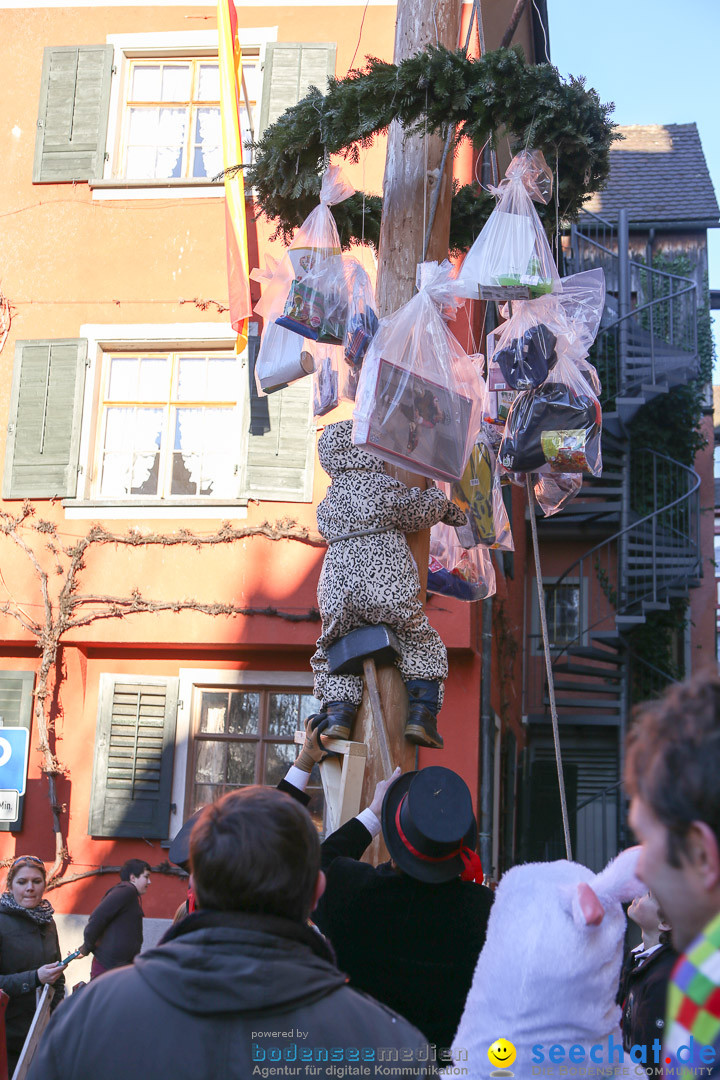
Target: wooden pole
<point>411,171</point>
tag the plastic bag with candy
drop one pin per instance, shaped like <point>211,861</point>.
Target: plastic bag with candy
<point>511,258</point>
<point>420,397</point>
<point>455,571</point>
<point>479,494</point>
<point>556,428</point>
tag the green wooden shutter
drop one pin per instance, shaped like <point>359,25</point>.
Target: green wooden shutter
<point>73,114</point>
<point>16,702</point>
<point>41,458</point>
<point>134,747</point>
<point>291,68</point>
<point>281,444</point>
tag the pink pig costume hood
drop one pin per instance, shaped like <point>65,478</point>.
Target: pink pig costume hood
<point>549,970</point>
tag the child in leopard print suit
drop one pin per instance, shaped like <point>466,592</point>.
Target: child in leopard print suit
<point>373,578</point>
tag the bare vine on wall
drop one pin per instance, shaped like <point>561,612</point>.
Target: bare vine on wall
<point>58,566</point>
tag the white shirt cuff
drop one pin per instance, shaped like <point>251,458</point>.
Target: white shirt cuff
<point>368,819</point>
<point>298,778</point>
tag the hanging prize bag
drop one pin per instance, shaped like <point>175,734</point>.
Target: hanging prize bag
<point>556,428</point>
<point>511,258</point>
<point>455,571</point>
<point>316,302</point>
<point>479,494</point>
<point>420,398</point>
<point>362,320</point>
<point>553,493</point>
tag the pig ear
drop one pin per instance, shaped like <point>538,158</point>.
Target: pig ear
<point>591,908</point>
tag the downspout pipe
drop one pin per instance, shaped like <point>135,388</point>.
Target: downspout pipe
<point>487,734</point>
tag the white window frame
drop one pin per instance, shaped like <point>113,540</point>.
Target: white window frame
<point>535,628</point>
<point>104,338</point>
<point>192,679</point>
<point>175,45</point>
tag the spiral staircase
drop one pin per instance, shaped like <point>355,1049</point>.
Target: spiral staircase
<point>640,520</point>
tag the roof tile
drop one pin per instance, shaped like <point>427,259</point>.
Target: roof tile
<point>659,173</point>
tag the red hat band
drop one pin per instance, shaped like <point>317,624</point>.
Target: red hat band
<point>473,867</point>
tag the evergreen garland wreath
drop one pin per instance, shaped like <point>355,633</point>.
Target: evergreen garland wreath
<point>428,92</point>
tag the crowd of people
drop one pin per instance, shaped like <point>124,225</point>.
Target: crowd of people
<point>294,958</point>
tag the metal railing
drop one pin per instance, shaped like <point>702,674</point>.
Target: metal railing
<point>649,328</point>
<point>638,565</point>
<point>647,680</point>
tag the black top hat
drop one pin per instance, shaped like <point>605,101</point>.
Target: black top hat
<point>179,850</point>
<point>427,818</point>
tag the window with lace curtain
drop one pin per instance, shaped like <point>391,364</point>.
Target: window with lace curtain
<point>171,118</point>
<point>170,425</point>
<point>248,737</point>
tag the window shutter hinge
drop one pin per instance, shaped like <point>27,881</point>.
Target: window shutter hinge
<point>106,156</point>
<point>180,704</point>
<point>80,469</point>
<point>113,70</point>
<point>41,123</point>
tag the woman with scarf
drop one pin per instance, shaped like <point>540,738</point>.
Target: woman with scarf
<point>29,949</point>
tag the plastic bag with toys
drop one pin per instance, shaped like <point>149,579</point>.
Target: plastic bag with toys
<point>556,428</point>
<point>455,571</point>
<point>511,258</point>
<point>479,494</point>
<point>420,398</point>
<point>307,291</point>
<point>362,320</point>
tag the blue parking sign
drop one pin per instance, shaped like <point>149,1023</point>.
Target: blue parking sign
<point>14,745</point>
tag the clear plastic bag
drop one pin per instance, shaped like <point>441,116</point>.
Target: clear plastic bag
<point>455,571</point>
<point>307,293</point>
<point>420,398</point>
<point>362,321</point>
<point>283,358</point>
<point>327,387</point>
<point>498,402</point>
<point>527,345</point>
<point>479,494</point>
<point>511,258</point>
<point>552,493</point>
<point>556,428</point>
<point>583,301</point>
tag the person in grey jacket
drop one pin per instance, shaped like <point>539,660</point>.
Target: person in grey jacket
<point>243,986</point>
<point>29,949</point>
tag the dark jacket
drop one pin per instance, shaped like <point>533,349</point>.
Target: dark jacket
<point>24,947</point>
<point>225,994</point>
<point>643,993</point>
<point>114,931</point>
<point>411,945</point>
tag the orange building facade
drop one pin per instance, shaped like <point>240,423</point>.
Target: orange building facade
<point>128,413</point>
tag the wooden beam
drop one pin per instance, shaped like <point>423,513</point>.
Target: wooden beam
<point>411,171</point>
